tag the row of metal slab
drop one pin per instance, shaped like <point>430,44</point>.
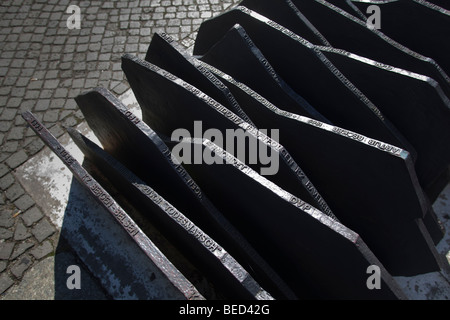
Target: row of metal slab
<point>361,151</point>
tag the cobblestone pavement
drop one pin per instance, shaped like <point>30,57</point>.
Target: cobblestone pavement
<point>43,66</point>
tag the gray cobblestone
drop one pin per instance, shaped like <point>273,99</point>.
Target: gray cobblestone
<point>14,192</point>
<point>20,266</point>
<point>5,233</point>
<point>31,216</point>
<point>24,202</point>
<point>3,266</point>
<point>21,232</point>
<point>42,250</point>
<point>42,230</point>
<point>17,159</point>
<point>20,248</point>
<point>6,181</point>
<point>5,282</point>
<point>5,250</point>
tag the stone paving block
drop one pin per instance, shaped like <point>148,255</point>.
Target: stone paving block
<point>24,202</point>
<point>20,248</point>
<point>3,266</point>
<point>21,232</point>
<point>17,159</point>
<point>42,250</point>
<point>14,192</point>
<point>6,181</point>
<point>5,282</point>
<point>20,266</point>
<point>6,219</point>
<point>42,230</point>
<point>5,250</point>
<point>31,216</point>
<point>5,233</point>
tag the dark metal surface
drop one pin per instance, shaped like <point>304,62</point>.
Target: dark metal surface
<point>442,3</point>
<point>109,204</point>
<point>346,165</point>
<point>219,266</point>
<point>319,257</point>
<point>308,72</point>
<point>142,151</point>
<point>237,55</point>
<point>415,104</point>
<point>346,29</point>
<point>286,13</point>
<point>423,29</point>
<point>169,103</point>
<point>166,54</point>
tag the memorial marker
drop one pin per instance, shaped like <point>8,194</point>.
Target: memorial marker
<point>308,72</point>
<point>139,148</point>
<point>214,261</point>
<point>108,203</point>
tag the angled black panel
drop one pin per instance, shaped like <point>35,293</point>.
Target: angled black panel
<point>371,186</point>
<point>347,29</point>
<point>237,55</point>
<point>169,103</point>
<point>108,203</point>
<point>415,104</point>
<point>299,241</point>
<point>214,261</point>
<point>165,53</point>
<point>417,25</point>
<point>286,13</point>
<point>140,149</point>
<point>308,72</point>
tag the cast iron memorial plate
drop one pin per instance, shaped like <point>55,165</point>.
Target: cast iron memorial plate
<point>108,203</point>
<point>319,257</point>
<point>414,103</point>
<point>346,31</point>
<point>134,144</point>
<point>217,264</point>
<point>165,53</point>
<point>286,13</point>
<point>417,25</point>
<point>168,103</point>
<point>307,71</point>
<point>237,55</point>
<point>371,186</point>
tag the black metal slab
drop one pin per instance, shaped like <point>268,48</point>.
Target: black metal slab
<point>217,264</point>
<point>165,53</point>
<point>139,148</point>
<point>345,29</point>
<point>237,55</point>
<point>348,167</point>
<point>319,257</point>
<point>441,3</point>
<point>168,103</point>
<point>286,13</point>
<point>107,202</point>
<point>307,71</point>
<point>400,22</point>
<point>415,104</point>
